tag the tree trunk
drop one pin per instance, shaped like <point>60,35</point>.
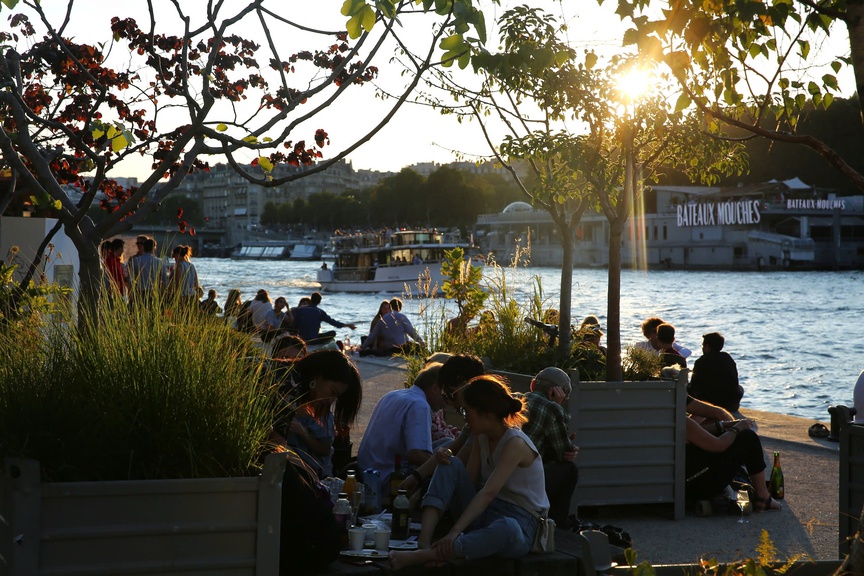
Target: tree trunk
<point>614,373</point>
<point>565,304</point>
<point>89,281</point>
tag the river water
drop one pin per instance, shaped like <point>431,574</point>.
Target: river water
<point>797,337</point>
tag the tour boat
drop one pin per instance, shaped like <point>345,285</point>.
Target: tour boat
<point>387,261</point>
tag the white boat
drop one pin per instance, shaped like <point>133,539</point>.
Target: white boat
<point>387,261</point>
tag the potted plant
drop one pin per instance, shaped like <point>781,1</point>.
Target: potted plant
<point>135,440</point>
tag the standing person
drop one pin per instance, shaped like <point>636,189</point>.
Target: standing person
<point>307,320</point>
<point>147,273</point>
<point>118,247</point>
<point>858,398</point>
<point>496,497</point>
<point>184,279</point>
<point>715,375</point>
<point>548,426</point>
<point>115,272</point>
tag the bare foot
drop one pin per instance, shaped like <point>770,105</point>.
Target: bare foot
<point>402,558</point>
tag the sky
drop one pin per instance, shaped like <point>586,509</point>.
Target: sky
<point>417,133</point>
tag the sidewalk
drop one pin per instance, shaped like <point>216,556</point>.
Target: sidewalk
<point>808,523</point>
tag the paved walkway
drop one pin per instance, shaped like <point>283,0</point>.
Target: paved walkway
<point>808,523</point>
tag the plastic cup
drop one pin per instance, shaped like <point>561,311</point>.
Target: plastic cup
<point>356,537</point>
<point>370,532</point>
<point>382,539</point>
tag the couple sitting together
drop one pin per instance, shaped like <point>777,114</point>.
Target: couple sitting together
<point>494,476</point>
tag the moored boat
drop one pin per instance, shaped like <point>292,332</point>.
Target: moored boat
<point>387,261</point>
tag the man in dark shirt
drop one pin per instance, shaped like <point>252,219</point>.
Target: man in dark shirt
<point>715,375</point>
<point>307,320</point>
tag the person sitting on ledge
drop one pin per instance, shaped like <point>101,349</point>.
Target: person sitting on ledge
<point>496,497</point>
<point>715,375</point>
<point>711,461</point>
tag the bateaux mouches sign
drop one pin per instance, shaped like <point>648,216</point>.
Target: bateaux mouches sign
<point>738,212</point>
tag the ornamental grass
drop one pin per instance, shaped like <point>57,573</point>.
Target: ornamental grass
<point>149,392</point>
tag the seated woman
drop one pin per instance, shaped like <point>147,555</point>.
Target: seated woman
<point>501,517</point>
<point>383,310</point>
<point>712,461</point>
<point>310,387</point>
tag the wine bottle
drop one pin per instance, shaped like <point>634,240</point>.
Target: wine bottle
<point>775,484</point>
<point>401,521</point>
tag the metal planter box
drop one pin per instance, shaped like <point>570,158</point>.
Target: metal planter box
<point>225,526</point>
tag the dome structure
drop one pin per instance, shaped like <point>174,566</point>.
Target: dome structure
<point>517,207</point>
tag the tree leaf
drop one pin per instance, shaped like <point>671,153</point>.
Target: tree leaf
<point>682,103</point>
<point>368,18</point>
<point>221,128</point>
<point>119,142</point>
<point>265,164</point>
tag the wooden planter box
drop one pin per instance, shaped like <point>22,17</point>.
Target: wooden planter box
<point>631,438</point>
<point>225,526</point>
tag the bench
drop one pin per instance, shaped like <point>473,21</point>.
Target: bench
<point>631,438</point>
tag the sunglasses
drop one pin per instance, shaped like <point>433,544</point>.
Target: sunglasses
<point>448,396</point>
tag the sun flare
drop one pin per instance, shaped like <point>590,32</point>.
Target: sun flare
<point>633,84</point>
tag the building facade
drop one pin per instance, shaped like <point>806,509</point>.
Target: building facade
<point>771,225</point>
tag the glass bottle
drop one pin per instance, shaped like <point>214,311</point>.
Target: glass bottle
<point>352,489</point>
<point>401,518</point>
<point>396,478</point>
<point>775,484</point>
<point>342,512</point>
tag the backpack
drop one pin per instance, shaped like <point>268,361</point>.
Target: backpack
<point>310,537</point>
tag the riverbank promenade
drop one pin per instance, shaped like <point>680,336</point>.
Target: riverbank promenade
<point>808,523</point>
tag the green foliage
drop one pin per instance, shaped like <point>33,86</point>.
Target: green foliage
<point>158,392</point>
<point>641,364</point>
<point>462,284</point>
<point>26,308</point>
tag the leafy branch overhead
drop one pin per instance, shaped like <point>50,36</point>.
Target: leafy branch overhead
<point>753,66</point>
<point>240,82</point>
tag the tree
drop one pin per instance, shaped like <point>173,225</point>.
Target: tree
<point>600,163</point>
<point>523,89</point>
<point>186,88</point>
<point>634,136</point>
<point>753,65</point>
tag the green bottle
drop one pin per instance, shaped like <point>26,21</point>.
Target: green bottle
<point>775,484</point>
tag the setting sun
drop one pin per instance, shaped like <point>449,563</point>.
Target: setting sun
<point>633,84</point>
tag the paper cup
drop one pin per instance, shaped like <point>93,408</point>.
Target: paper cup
<point>356,536</point>
<point>370,532</point>
<point>382,539</point>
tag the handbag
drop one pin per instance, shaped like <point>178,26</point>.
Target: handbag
<point>544,540</point>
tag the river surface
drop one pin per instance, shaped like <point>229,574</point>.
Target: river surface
<point>797,337</point>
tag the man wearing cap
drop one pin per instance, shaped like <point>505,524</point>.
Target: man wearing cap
<point>548,427</point>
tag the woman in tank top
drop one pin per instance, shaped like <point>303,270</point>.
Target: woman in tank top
<point>496,496</point>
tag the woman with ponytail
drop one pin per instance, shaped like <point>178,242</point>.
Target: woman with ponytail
<point>496,496</point>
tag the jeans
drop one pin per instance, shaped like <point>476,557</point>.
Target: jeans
<point>503,529</point>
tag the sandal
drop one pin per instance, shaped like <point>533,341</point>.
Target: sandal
<point>762,504</point>
<point>818,430</point>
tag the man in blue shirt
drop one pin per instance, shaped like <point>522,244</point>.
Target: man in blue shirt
<point>401,425</point>
<point>307,320</point>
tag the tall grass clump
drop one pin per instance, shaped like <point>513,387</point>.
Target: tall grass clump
<point>155,391</point>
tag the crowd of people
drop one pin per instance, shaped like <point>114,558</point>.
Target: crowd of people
<point>512,463</point>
